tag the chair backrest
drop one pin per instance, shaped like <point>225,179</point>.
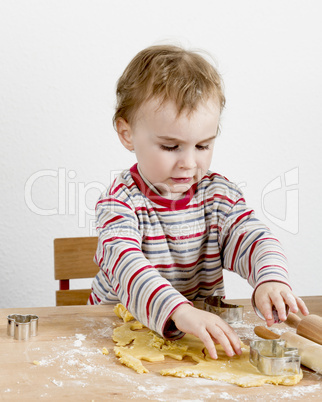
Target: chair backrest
<point>73,259</point>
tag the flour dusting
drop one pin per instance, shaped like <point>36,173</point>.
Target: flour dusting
<point>225,395</point>
<point>80,338</point>
<point>300,391</point>
<point>77,357</point>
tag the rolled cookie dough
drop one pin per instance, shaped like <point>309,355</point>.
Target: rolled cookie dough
<point>136,343</point>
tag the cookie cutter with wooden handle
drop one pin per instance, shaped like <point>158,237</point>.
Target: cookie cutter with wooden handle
<point>231,313</point>
<point>21,326</point>
<point>272,357</point>
<point>309,351</point>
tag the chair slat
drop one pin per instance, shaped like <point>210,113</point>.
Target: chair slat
<point>73,297</point>
<point>74,257</point>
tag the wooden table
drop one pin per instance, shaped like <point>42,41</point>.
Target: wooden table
<point>72,366</point>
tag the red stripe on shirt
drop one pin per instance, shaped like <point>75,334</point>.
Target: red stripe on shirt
<point>240,238</point>
<point>90,299</point>
<point>116,218</point>
<point>121,185</point>
<point>242,216</point>
<point>120,256</point>
<point>247,213</point>
<point>224,197</point>
<point>113,200</point>
<point>200,284</point>
<point>175,237</point>
<point>136,273</point>
<point>252,250</point>
<point>151,297</point>
<point>112,239</point>
<point>120,238</point>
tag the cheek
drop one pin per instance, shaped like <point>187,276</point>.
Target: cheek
<point>161,155</point>
<point>205,159</point>
<point>153,157</point>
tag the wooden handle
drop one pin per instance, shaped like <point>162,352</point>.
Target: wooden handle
<point>311,328</point>
<point>293,320</point>
<point>265,333</point>
<point>310,352</point>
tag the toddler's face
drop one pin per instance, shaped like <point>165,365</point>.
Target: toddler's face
<point>173,152</point>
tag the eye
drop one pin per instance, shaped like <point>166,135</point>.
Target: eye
<point>202,147</point>
<point>169,149</point>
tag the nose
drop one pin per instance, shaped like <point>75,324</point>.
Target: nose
<point>187,160</point>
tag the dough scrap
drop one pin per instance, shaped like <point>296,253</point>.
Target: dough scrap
<point>135,343</point>
<point>123,313</point>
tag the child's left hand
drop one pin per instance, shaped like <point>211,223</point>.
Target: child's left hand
<point>278,294</point>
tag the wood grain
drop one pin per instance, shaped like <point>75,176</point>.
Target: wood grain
<point>73,297</point>
<point>265,333</point>
<point>69,347</point>
<point>310,326</point>
<point>73,257</point>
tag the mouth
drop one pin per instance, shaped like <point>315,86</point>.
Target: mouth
<point>181,180</point>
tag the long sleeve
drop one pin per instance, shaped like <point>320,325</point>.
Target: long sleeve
<point>135,282</point>
<point>248,246</point>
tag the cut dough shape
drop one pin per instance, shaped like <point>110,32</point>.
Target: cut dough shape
<point>135,343</point>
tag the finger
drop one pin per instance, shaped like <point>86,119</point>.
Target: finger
<point>265,307</point>
<point>220,336</point>
<point>302,306</point>
<point>232,337</point>
<point>279,304</point>
<point>290,301</point>
<point>209,344</point>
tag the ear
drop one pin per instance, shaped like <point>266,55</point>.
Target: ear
<point>125,133</point>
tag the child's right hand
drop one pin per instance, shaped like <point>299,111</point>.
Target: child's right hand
<point>208,327</point>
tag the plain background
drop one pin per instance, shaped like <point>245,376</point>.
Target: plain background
<point>59,62</point>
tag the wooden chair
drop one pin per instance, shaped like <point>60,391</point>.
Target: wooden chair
<point>73,259</point>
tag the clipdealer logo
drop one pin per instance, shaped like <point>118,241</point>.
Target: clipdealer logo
<point>71,196</point>
<point>289,184</point>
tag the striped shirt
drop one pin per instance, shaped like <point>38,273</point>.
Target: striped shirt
<point>155,253</point>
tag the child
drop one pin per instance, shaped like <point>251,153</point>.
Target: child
<point>167,227</point>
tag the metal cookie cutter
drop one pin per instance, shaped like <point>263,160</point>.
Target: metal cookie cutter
<point>271,357</point>
<point>231,313</point>
<point>21,327</point>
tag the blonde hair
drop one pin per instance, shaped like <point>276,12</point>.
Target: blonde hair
<point>167,73</point>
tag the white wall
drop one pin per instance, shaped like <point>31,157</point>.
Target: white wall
<point>59,61</point>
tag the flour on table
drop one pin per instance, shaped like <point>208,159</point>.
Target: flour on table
<point>299,391</point>
<point>80,338</point>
